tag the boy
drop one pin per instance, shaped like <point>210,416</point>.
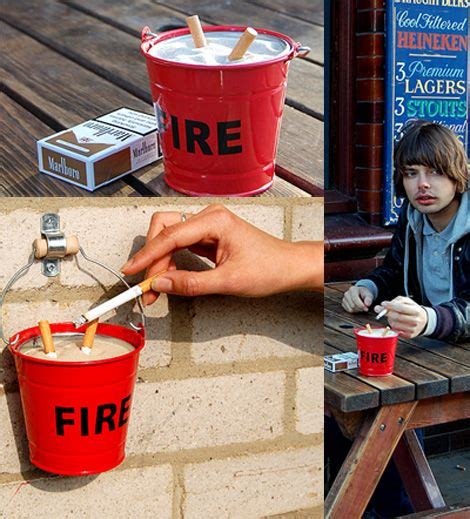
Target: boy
<point>424,282</point>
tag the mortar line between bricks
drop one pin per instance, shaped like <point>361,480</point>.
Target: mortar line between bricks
<point>179,493</point>
<point>187,372</point>
<point>290,393</point>
<point>201,455</point>
<point>288,223</point>
<point>8,205</point>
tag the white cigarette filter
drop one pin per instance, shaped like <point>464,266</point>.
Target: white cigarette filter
<point>246,39</point>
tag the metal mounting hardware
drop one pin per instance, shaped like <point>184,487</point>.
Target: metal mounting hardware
<point>56,244</point>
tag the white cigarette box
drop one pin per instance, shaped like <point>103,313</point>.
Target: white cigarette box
<point>340,361</point>
<point>101,150</point>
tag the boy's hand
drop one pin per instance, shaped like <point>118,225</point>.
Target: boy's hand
<point>404,315</point>
<point>357,299</point>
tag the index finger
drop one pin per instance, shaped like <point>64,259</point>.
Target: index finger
<point>402,307</point>
<point>174,237</point>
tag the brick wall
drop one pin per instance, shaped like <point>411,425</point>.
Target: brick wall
<point>226,420</point>
<point>370,85</point>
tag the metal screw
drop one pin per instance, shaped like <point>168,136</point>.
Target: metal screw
<point>50,267</point>
<point>401,420</point>
<point>383,427</point>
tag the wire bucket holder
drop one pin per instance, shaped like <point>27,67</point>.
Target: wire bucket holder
<point>24,270</point>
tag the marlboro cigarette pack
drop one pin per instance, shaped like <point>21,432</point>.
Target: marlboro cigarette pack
<point>340,361</point>
<point>101,150</point>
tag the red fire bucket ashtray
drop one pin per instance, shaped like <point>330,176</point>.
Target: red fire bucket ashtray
<point>376,352</point>
<point>77,413</point>
<point>219,124</point>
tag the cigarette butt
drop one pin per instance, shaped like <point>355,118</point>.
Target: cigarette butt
<point>46,336</point>
<point>146,284</point>
<point>386,331</point>
<point>197,33</point>
<point>246,39</point>
<point>368,328</point>
<point>89,336</point>
<point>381,314</point>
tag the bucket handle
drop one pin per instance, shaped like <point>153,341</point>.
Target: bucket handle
<point>300,51</point>
<point>24,269</point>
<point>147,35</point>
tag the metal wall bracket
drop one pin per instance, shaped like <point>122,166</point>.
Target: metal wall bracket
<point>56,244</point>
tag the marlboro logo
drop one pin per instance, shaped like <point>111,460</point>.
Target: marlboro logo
<point>66,167</point>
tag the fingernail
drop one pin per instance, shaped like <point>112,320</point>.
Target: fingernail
<point>127,264</point>
<point>162,284</point>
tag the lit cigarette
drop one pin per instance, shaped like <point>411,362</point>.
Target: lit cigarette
<point>368,328</point>
<point>246,39</point>
<point>196,31</point>
<point>47,340</point>
<point>386,331</point>
<point>89,337</point>
<point>381,314</point>
<point>115,302</point>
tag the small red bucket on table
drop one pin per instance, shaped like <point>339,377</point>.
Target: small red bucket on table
<point>219,124</point>
<point>376,351</point>
<point>77,413</point>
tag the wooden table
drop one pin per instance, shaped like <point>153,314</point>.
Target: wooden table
<point>63,62</point>
<point>430,385</point>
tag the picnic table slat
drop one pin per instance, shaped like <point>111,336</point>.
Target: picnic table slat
<point>18,158</point>
<point>427,382</point>
<point>309,10</point>
<point>347,393</point>
<point>104,49</point>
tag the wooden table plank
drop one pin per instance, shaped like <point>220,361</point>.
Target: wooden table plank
<point>427,382</point>
<point>240,12</point>
<point>18,158</point>
<point>309,10</point>
<point>305,84</point>
<point>104,49</point>
<point>347,393</point>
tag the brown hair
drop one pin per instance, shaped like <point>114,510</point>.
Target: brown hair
<point>433,145</point>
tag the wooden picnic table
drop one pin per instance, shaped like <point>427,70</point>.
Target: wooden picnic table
<point>430,385</point>
<point>63,62</point>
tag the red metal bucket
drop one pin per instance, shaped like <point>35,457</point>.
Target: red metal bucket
<point>219,124</point>
<point>77,413</point>
<point>376,354</point>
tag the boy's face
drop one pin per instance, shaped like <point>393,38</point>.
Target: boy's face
<point>428,190</point>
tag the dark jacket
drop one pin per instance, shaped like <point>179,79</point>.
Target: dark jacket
<point>399,275</point>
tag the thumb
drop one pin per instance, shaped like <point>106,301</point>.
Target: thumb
<point>366,297</point>
<point>188,283</point>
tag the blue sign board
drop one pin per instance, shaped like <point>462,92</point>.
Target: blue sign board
<point>427,75</point>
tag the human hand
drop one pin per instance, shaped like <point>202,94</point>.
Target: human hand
<point>357,299</point>
<point>405,316</point>
<point>248,261</point>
